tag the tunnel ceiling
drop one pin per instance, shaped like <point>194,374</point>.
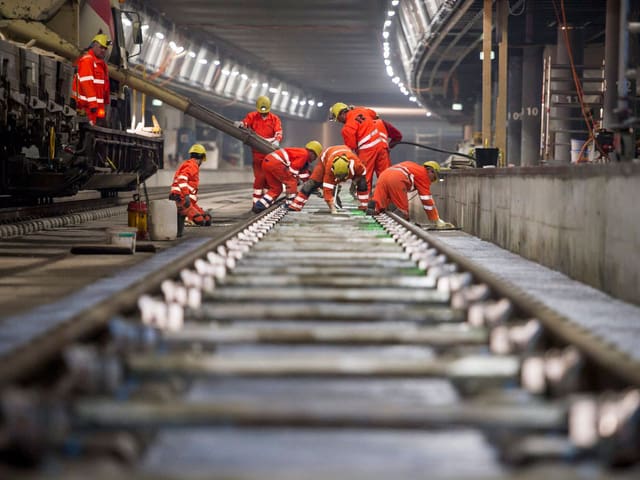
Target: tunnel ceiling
<point>335,46</point>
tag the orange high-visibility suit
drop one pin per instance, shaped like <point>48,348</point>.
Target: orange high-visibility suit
<point>322,175</point>
<point>91,86</point>
<point>397,181</point>
<point>268,127</point>
<point>184,190</point>
<point>367,137</point>
<point>282,167</point>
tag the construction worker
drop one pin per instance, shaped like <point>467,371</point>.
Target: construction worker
<point>364,136</point>
<point>397,181</point>
<point>337,164</point>
<point>91,82</point>
<point>285,166</point>
<point>184,189</point>
<point>269,127</point>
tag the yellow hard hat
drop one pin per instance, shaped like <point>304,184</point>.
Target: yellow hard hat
<point>315,146</point>
<point>435,166</point>
<point>199,151</point>
<point>263,104</point>
<point>336,109</point>
<point>340,168</point>
<point>102,39</point>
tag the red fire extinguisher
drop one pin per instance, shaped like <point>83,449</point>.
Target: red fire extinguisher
<point>137,217</point>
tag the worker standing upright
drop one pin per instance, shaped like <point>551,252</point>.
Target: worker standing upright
<point>397,181</point>
<point>365,136</point>
<point>286,166</point>
<point>91,90</point>
<point>337,164</point>
<point>184,189</point>
<point>268,125</point>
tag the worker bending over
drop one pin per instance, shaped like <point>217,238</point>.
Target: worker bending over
<point>365,135</point>
<point>337,164</point>
<point>286,166</point>
<point>184,189</point>
<point>397,181</point>
<point>268,126</point>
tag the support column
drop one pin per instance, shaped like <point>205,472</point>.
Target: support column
<point>501,104</point>
<point>611,48</point>
<point>514,108</point>
<point>569,123</point>
<point>487,24</point>
<point>531,105</point>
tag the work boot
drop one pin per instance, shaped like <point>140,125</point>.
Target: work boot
<point>371,207</point>
<point>181,220</point>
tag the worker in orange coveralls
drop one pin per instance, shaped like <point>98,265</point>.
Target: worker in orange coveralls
<point>91,82</point>
<point>397,181</point>
<point>184,189</point>
<point>364,134</point>
<point>337,164</point>
<point>285,166</point>
<point>268,126</point>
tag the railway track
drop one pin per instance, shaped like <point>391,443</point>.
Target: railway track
<point>303,328</point>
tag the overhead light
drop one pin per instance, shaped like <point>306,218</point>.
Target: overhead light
<point>160,35</point>
<point>320,104</point>
<point>244,76</point>
<point>265,84</point>
<point>391,13</point>
<point>156,103</point>
<point>203,61</point>
<point>312,102</point>
<point>385,34</point>
<point>387,23</point>
<point>395,80</point>
<point>395,3</point>
<point>456,106</point>
<point>412,98</point>
<point>225,71</point>
<point>216,62</point>
<point>273,90</point>
<point>192,54</point>
<point>390,71</point>
<point>285,93</point>
<point>387,62</point>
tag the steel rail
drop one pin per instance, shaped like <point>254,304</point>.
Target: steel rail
<point>599,352</point>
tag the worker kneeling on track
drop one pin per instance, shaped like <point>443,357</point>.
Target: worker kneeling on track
<point>286,166</point>
<point>184,189</point>
<point>397,181</point>
<point>337,164</point>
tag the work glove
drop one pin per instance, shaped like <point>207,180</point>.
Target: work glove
<point>238,124</point>
<point>441,224</point>
<point>276,144</point>
<point>187,202</point>
<point>175,197</point>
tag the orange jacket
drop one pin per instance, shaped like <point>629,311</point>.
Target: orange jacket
<point>415,177</point>
<point>268,127</point>
<point>186,180</point>
<point>322,172</point>
<point>296,159</point>
<point>91,85</point>
<point>360,130</point>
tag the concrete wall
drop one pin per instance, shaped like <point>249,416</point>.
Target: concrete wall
<point>581,220</point>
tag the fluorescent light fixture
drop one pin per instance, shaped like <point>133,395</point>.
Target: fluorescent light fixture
<point>244,76</point>
<point>192,54</point>
<point>312,102</point>
<point>395,80</point>
<point>395,3</point>
<point>320,104</point>
<point>387,23</point>
<point>203,61</point>
<point>216,62</point>
<point>412,98</point>
<point>273,90</point>
<point>391,13</point>
<point>265,84</point>
<point>456,106</point>
<point>160,35</point>
<point>385,35</point>
<point>390,71</point>
<point>225,71</point>
<point>156,103</point>
<point>285,93</point>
